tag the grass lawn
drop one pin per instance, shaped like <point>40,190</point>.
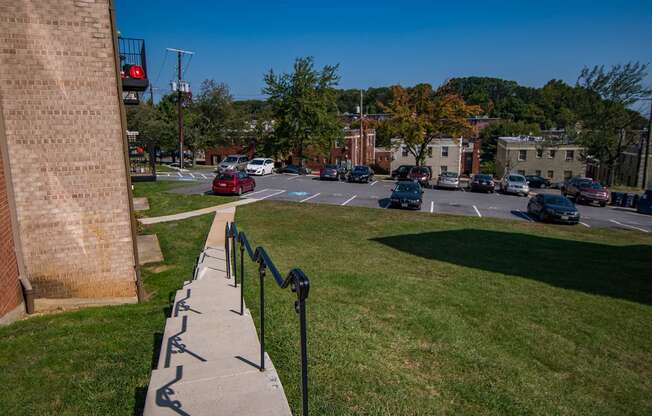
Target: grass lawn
<point>162,202</point>
<point>97,361</point>
<point>412,313</point>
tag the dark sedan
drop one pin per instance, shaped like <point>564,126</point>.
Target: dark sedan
<point>402,172</point>
<point>553,208</point>
<point>536,181</point>
<point>330,172</point>
<point>407,195</point>
<point>361,173</point>
<point>483,183</point>
<point>295,169</point>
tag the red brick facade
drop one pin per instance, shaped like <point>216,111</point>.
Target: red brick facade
<point>10,291</point>
<point>66,148</point>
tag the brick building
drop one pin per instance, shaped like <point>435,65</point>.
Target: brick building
<point>65,164</point>
<point>528,155</point>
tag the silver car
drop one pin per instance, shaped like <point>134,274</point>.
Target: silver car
<point>514,184</point>
<point>450,180</point>
<point>233,163</point>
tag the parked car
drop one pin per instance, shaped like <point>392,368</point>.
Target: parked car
<point>552,207</point>
<point>407,195</point>
<point>586,190</point>
<point>535,181</point>
<point>483,183</point>
<point>332,172</point>
<point>420,174</point>
<point>644,205</point>
<point>233,162</point>
<point>402,172</point>
<point>294,169</point>
<point>233,182</point>
<point>514,184</point>
<point>450,180</point>
<point>361,173</point>
<point>260,166</point>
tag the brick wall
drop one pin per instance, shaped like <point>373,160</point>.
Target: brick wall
<point>65,147</point>
<point>10,292</point>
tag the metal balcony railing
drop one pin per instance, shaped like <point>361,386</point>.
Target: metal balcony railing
<point>295,279</point>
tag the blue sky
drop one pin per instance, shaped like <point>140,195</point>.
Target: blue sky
<point>388,42</point>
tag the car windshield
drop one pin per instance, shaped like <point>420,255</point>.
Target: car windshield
<point>515,178</point>
<point>420,171</point>
<point>449,174</point>
<point>330,167</point>
<point>483,177</point>
<point>257,162</point>
<point>557,200</point>
<point>408,187</point>
<point>590,185</point>
<point>360,169</point>
<point>225,176</point>
<point>231,159</point>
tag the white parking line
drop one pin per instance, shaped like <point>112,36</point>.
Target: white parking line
<point>191,175</point>
<point>630,226</point>
<point>432,207</point>
<point>477,211</point>
<point>373,183</point>
<point>348,200</point>
<point>257,192</point>
<point>585,224</point>
<point>203,176</point>
<point>293,177</point>
<point>462,189</point>
<point>179,174</point>
<point>311,197</point>
<point>269,196</point>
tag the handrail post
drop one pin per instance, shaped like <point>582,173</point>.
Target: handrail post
<point>241,278</point>
<point>300,306</point>
<point>261,274</point>
<point>233,256</point>
<point>227,251</point>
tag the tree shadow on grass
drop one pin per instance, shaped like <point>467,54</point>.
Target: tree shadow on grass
<point>616,271</point>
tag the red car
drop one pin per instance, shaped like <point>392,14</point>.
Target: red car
<point>234,182</point>
<point>420,174</point>
<point>585,190</point>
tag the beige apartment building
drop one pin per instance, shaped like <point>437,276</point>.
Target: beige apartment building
<point>529,155</point>
<point>442,155</point>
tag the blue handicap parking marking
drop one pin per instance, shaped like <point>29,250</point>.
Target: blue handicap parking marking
<point>298,193</point>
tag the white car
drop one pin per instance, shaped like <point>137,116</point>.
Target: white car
<point>450,180</point>
<point>514,184</point>
<point>260,166</point>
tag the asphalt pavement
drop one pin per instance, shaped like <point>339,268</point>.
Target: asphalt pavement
<point>309,189</point>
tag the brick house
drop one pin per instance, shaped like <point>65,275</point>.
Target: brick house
<point>442,155</point>
<point>64,153</point>
<point>529,155</point>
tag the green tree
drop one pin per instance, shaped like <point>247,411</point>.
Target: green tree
<point>608,126</point>
<point>489,136</point>
<point>419,115</point>
<point>304,108</point>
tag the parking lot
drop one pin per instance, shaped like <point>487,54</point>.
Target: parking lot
<point>309,189</point>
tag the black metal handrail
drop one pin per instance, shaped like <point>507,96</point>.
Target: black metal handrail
<point>295,279</point>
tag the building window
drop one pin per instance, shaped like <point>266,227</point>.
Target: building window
<point>429,152</point>
<point>570,154</point>
<point>405,151</point>
<point>551,174</point>
<point>444,151</point>
<point>537,173</point>
<point>551,153</point>
<point>443,168</point>
<point>568,174</point>
<point>522,155</point>
<point>521,172</point>
<point>539,153</point>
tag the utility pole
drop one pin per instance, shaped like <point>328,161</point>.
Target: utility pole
<point>180,99</point>
<point>362,140</point>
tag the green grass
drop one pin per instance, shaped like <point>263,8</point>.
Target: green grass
<point>97,361</point>
<point>163,202</point>
<point>418,314</point>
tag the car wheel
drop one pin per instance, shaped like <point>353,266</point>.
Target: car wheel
<point>240,191</point>
<point>542,216</point>
<point>603,204</point>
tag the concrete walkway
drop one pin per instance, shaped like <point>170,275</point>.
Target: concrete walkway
<point>189,214</point>
<point>210,354</point>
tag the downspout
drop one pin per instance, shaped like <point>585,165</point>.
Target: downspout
<point>125,145</point>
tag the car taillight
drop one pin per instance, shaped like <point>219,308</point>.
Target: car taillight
<point>136,71</point>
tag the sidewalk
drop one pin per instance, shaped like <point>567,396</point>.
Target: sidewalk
<point>197,212</point>
<point>210,354</point>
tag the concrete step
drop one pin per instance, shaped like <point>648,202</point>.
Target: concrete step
<point>198,300</point>
<point>195,339</point>
<point>229,386</point>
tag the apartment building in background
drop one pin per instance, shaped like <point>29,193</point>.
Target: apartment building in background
<point>442,155</point>
<point>66,224</point>
<point>529,155</point>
